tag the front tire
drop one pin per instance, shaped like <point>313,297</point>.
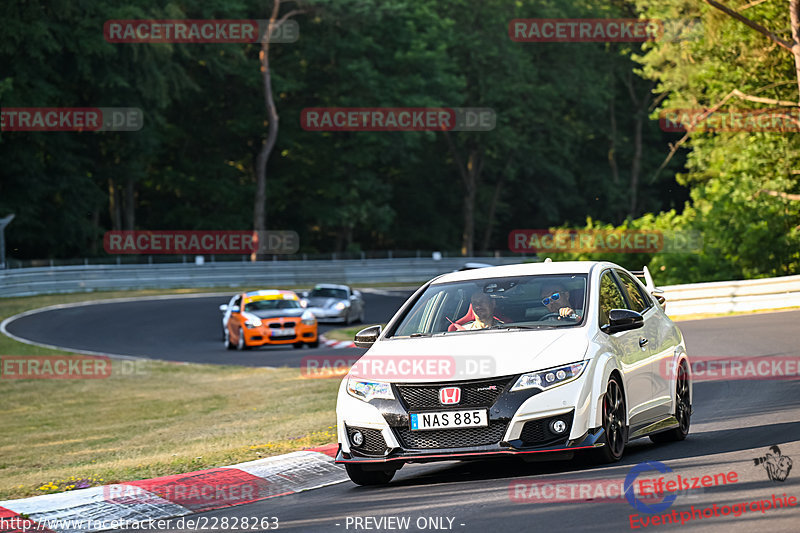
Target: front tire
<point>683,410</point>
<point>242,343</point>
<point>227,340</point>
<point>359,476</point>
<point>614,417</point>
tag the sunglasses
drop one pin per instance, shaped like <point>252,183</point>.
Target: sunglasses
<point>552,298</point>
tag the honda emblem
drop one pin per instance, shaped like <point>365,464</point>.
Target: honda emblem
<point>449,395</point>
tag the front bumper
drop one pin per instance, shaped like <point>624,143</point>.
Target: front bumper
<point>329,314</point>
<point>589,442</point>
<point>519,424</point>
<point>263,335</point>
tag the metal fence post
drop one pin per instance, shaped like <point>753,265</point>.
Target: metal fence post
<point>3,223</point>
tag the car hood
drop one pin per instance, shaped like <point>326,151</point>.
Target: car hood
<point>467,356</point>
<point>322,302</point>
<point>273,313</point>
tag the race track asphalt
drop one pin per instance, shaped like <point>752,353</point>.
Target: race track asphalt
<point>182,329</point>
<point>734,422</point>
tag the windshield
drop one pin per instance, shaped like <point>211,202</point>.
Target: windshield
<point>496,303</point>
<point>339,294</point>
<point>268,305</point>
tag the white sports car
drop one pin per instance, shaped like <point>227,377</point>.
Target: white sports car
<point>533,360</point>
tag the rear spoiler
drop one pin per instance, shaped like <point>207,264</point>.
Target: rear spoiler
<point>651,286</point>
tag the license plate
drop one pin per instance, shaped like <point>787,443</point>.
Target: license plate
<point>471,418</point>
<point>285,332</point>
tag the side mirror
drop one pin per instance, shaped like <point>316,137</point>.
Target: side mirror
<point>622,320</point>
<point>367,336</point>
<point>223,307</point>
<point>303,304</point>
<point>354,297</point>
<point>304,294</point>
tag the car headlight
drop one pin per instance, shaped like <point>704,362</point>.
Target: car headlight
<point>339,305</point>
<point>308,318</point>
<point>253,322</point>
<point>544,379</point>
<point>367,390</point>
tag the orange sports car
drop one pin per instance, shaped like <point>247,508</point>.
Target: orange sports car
<point>268,317</point>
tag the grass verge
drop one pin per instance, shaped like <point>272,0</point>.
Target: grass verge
<point>346,334</point>
<point>148,418</point>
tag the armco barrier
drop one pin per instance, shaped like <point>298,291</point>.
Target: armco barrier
<point>32,281</point>
<point>714,297</point>
<point>730,296</point>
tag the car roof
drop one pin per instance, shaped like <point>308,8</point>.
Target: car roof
<point>329,286</point>
<point>270,295</point>
<point>521,269</point>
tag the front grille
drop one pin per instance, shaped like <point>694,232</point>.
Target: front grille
<point>373,444</point>
<point>537,432</point>
<point>473,394</point>
<point>451,438</point>
<point>284,325</point>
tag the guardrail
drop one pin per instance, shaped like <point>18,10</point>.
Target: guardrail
<point>732,296</point>
<point>48,280</point>
<point>714,297</point>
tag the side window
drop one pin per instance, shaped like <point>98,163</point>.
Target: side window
<point>639,302</point>
<point>610,297</point>
<point>238,302</point>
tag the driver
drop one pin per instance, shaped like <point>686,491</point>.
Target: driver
<point>483,307</point>
<point>555,297</point>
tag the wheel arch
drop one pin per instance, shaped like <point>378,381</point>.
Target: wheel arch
<point>606,367</point>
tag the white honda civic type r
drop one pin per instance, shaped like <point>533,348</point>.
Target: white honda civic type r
<point>535,360</point>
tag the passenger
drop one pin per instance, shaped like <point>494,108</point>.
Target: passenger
<point>483,307</point>
<point>555,297</point>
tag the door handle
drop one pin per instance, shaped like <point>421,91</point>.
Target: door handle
<point>642,342</point>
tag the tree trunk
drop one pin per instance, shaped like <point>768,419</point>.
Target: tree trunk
<point>470,177</point>
<point>636,163</point>
<point>640,109</point>
<point>498,188</point>
<point>96,232</point>
<point>468,235</point>
<point>130,204</point>
<point>114,208</point>
<point>260,202</point>
<point>487,235</point>
<point>794,17</point>
<point>612,134</point>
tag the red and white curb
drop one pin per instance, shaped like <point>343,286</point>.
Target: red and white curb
<point>336,344</point>
<point>98,508</point>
